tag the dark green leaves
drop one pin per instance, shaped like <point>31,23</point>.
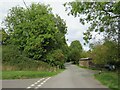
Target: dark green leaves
<point>101,29</point>
<point>75,51</point>
<point>36,30</point>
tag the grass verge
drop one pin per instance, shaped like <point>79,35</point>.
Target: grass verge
<point>110,79</point>
<point>89,68</point>
<point>27,74</point>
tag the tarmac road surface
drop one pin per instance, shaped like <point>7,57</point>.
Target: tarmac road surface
<point>72,77</point>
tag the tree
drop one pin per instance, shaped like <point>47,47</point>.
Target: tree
<point>35,30</point>
<point>60,36</point>
<point>75,51</point>
<point>84,54</point>
<point>112,52</point>
<point>5,36</point>
<point>105,53</point>
<point>99,54</point>
<point>56,58</point>
<point>103,17</point>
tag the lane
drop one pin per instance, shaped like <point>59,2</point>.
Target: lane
<point>74,77</point>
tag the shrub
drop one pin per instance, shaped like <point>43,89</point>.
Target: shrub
<point>12,59</point>
<point>56,58</point>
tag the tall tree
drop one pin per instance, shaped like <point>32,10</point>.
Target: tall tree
<point>103,17</point>
<point>75,51</point>
<point>35,30</point>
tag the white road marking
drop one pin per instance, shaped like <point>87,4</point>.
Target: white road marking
<point>28,87</point>
<point>35,83</point>
<point>42,83</point>
<point>39,85</point>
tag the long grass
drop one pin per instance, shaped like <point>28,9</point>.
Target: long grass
<point>13,60</point>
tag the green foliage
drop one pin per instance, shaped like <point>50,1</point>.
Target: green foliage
<point>99,54</point>
<point>74,56</point>
<point>75,51</point>
<point>106,53</point>
<point>60,24</point>
<point>56,58</point>
<point>4,36</point>
<point>13,60</point>
<point>101,15</point>
<point>112,52</point>
<point>75,45</point>
<point>36,30</point>
<point>84,54</point>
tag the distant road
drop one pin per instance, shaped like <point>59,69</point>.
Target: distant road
<point>72,77</point>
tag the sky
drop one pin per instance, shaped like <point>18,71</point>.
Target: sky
<point>74,28</point>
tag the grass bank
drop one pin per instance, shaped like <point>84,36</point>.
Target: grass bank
<point>27,74</point>
<point>13,60</point>
<point>16,65</point>
<point>110,79</point>
<point>107,78</point>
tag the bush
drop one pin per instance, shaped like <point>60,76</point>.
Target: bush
<point>12,59</point>
<point>56,58</point>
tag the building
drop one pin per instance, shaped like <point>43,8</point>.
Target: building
<point>87,62</point>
